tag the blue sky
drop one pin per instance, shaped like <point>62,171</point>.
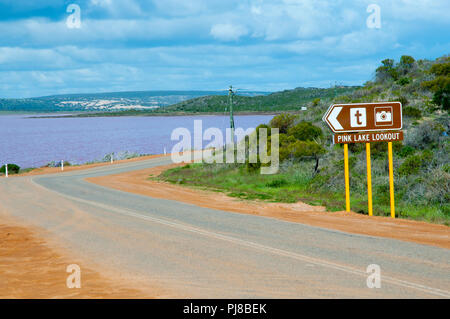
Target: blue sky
<point>125,45</point>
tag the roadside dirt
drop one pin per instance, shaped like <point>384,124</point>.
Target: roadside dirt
<point>55,170</point>
<point>407,230</point>
<point>29,268</point>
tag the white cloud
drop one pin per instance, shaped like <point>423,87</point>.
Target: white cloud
<point>228,31</point>
<point>180,44</point>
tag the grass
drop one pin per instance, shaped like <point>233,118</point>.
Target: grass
<point>295,182</point>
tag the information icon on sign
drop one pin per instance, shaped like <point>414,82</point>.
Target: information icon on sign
<point>383,116</point>
<point>358,117</point>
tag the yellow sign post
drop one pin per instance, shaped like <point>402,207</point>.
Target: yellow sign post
<point>391,179</point>
<point>369,179</point>
<point>347,179</point>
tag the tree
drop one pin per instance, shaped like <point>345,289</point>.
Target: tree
<point>406,64</point>
<point>301,143</point>
<point>283,122</point>
<point>305,131</point>
<point>306,149</point>
<point>12,169</point>
<point>440,85</point>
<point>386,71</point>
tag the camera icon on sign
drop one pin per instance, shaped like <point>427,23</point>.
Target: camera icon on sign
<point>383,116</point>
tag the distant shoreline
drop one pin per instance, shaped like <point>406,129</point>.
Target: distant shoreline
<point>105,114</point>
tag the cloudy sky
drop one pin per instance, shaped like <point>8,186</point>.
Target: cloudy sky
<point>124,45</point>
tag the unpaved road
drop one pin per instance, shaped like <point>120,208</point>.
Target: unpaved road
<point>201,252</point>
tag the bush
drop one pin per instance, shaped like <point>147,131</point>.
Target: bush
<point>58,164</point>
<point>402,100</point>
<point>386,71</point>
<point>440,85</point>
<point>406,64</point>
<point>316,102</point>
<point>411,165</point>
<point>406,151</point>
<point>412,112</point>
<point>442,96</point>
<point>379,150</point>
<point>300,150</point>
<point>426,135</point>
<point>253,167</point>
<point>283,121</point>
<point>446,168</point>
<point>305,131</point>
<point>403,81</point>
<point>276,183</point>
<point>12,169</point>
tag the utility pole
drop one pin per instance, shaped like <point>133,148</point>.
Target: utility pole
<point>230,102</point>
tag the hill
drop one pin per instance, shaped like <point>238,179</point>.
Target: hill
<point>288,100</point>
<point>216,102</point>
<point>105,102</point>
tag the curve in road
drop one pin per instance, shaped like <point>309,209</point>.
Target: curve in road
<point>206,253</point>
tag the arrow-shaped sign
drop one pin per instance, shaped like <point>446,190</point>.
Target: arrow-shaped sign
<point>364,117</point>
<point>332,118</point>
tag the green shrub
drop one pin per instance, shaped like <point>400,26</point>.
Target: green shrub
<point>406,64</point>
<point>12,169</point>
<point>379,150</point>
<point>253,167</point>
<point>412,112</point>
<point>427,156</point>
<point>411,165</point>
<point>386,71</point>
<point>403,81</point>
<point>276,183</point>
<point>283,121</point>
<point>446,168</point>
<point>402,100</point>
<point>351,162</point>
<point>406,151</point>
<point>441,84</point>
<point>316,102</point>
<point>305,131</point>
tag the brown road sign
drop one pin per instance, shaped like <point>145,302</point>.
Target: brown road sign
<point>364,117</point>
<point>368,137</point>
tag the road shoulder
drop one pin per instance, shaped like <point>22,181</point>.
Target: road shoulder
<point>31,266</point>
